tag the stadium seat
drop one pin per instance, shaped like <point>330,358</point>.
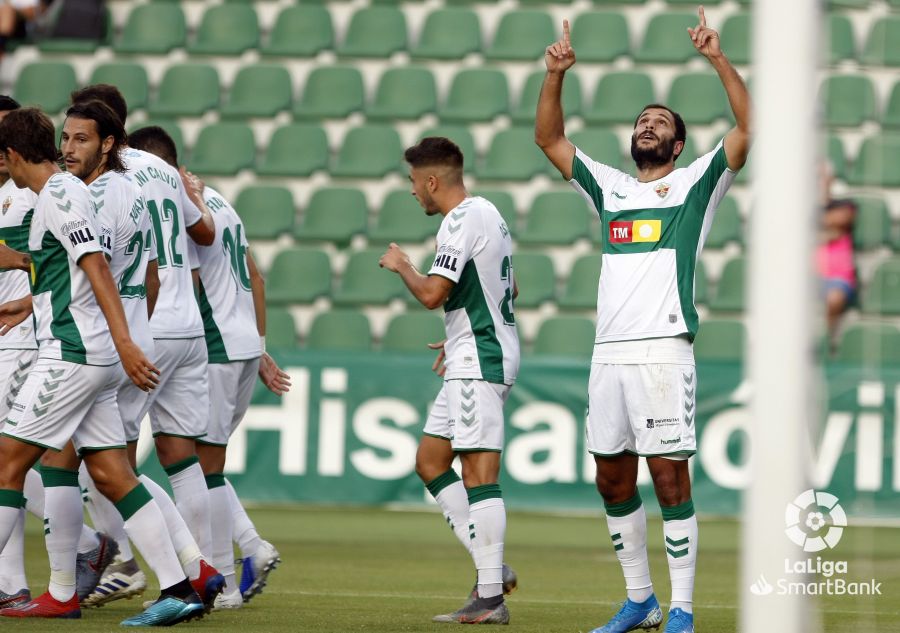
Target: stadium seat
<point>412,331</point>
<point>187,90</point>
<point>266,211</point>
<point>698,98</point>
<point>402,219</point>
<point>571,336</point>
<point>285,285</point>
<point>726,225</point>
<point>580,292</point>
<point>737,36</point>
<point>617,2</point>
<point>334,214</point>
<point>730,289</point>
<point>369,151</point>
<point>619,98</point>
<point>449,33</point>
<point>46,85</point>
<point>841,41</point>
<point>170,126</point>
<point>281,333</point>
<point>701,284</point>
<point>556,217</point>
<point>870,344</point>
<point>460,135</point>
<point>691,3</point>
<point>295,149</point>
<point>340,330</point>
<point>720,340</point>
<point>130,78</point>
<point>153,28</point>
<point>259,90</point>
<point>689,153</point>
<point>883,44</point>
<point>600,36</point>
<point>476,94</point>
<point>331,92</point>
<point>374,32</point>
<point>882,294</point>
<point>836,156</point>
<point>571,97</point>
<point>505,204</point>
<point>891,118</point>
<point>223,149</point>
<point>601,144</point>
<point>877,161</point>
<point>300,31</point>
<point>535,278</point>
<point>513,156</point>
<point>364,282</point>
<point>226,29</point>
<point>872,226</point>
<point>403,93</point>
<point>849,100</point>
<point>849,4</point>
<point>59,45</point>
<point>666,40</point>
<point>522,35</point>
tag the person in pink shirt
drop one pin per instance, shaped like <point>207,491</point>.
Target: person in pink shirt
<point>835,260</point>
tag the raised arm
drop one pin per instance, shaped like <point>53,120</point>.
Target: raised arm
<point>737,140</point>
<point>549,128</point>
<point>202,232</point>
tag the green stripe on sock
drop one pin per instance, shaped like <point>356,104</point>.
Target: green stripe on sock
<point>177,467</point>
<point>618,547</point>
<point>625,508</point>
<point>215,480</point>
<point>678,513</point>
<point>679,542</point>
<point>679,553</point>
<point>12,498</point>
<point>55,477</point>
<point>616,536</point>
<point>133,501</point>
<point>442,481</point>
<point>487,491</point>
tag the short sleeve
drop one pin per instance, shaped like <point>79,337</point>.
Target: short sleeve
<point>190,212</point>
<point>591,179</point>
<point>69,216</point>
<point>457,241</point>
<point>193,255</point>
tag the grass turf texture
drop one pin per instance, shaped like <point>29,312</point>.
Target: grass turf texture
<point>387,571</point>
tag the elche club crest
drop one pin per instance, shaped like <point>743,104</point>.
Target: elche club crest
<point>7,204</point>
<point>662,189</point>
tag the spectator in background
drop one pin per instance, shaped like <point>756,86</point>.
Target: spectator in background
<point>835,260</point>
<point>15,18</point>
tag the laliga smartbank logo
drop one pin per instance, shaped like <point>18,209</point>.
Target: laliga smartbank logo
<point>815,521</point>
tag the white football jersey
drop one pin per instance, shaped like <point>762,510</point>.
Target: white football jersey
<point>16,208</point>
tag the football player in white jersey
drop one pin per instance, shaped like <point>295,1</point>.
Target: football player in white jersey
<point>642,387</point>
<point>472,279</point>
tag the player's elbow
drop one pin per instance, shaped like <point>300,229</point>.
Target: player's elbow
<point>432,301</point>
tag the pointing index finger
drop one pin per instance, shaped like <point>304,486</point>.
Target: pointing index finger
<point>702,16</point>
<point>566,33</point>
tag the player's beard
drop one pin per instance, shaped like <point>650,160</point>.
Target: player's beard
<point>87,166</point>
<point>655,155</point>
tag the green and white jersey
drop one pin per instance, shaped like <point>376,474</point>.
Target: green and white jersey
<point>474,250</point>
<point>226,301</point>
<point>175,314</point>
<point>126,237</point>
<point>652,236</point>
<point>70,325</point>
<point>16,208</point>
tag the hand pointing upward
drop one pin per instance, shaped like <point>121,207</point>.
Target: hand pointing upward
<point>560,56</point>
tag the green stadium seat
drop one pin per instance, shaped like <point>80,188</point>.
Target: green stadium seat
<point>364,282</point>
<point>346,330</point>
<point>692,3</point>
<point>369,151</point>
<point>720,340</point>
<point>412,331</point>
<point>295,149</point>
<point>522,35</point>
<point>84,45</point>
<point>285,285</point>
<point>226,29</point>
<point>736,37</point>
<point>331,92</point>
<point>841,41</point>
<point>666,40</point>
<point>402,219</point>
<point>403,93</point>
<point>571,97</point>
<point>281,333</point>
<point>266,211</point>
<point>620,97</point>
<point>882,294</point>
<point>570,336</point>
<point>46,85</point>
<point>580,292</point>
<point>726,225</point>
<point>449,33</point>
<point>891,118</point>
<point>848,4</point>
<point>503,200</point>
<point>870,344</point>
<point>849,100</point>
<point>223,149</point>
<point>535,278</point>
<point>513,156</point>
<point>836,156</point>
<point>556,217</point>
<point>698,98</point>
<point>300,31</point>
<point>170,126</point>
<point>374,32</point>
<point>600,144</point>
<point>334,214</point>
<point>872,226</point>
<point>187,90</point>
<point>259,90</point>
<point>153,28</point>
<point>730,289</point>
<point>883,44</point>
<point>476,94</point>
<point>600,36</point>
<point>701,284</point>
<point>130,78</point>
<point>460,135</point>
<point>877,161</point>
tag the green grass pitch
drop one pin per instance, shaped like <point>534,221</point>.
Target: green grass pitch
<point>378,570</point>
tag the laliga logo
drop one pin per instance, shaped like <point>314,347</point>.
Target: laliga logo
<point>815,520</point>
